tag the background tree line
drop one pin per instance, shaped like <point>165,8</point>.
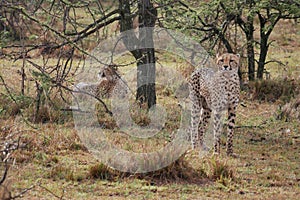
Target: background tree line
<point>232,25</point>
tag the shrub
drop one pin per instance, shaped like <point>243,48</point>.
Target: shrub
<point>14,104</point>
<point>290,110</point>
<point>61,172</point>
<point>273,90</point>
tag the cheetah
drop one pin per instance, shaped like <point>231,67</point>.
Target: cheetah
<point>108,78</point>
<point>211,93</point>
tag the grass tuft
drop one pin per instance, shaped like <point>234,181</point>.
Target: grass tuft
<point>219,171</point>
<point>62,172</point>
<point>178,171</point>
<point>101,171</point>
<point>59,172</point>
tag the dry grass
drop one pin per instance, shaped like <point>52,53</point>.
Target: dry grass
<point>265,147</point>
<point>290,110</point>
<point>267,167</point>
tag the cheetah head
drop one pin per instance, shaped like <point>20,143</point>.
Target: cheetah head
<point>228,62</point>
<point>108,73</point>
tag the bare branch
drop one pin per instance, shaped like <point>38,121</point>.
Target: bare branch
<point>52,193</point>
<point>275,61</point>
<point>20,195</point>
<point>6,167</point>
<point>96,23</point>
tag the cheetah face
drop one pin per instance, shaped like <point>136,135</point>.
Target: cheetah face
<point>107,74</point>
<point>102,75</point>
<point>228,62</point>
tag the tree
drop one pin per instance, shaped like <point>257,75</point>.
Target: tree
<point>46,30</point>
<point>247,26</point>
<point>269,14</point>
<point>216,20</point>
<point>56,29</point>
<point>145,56</point>
<point>205,21</point>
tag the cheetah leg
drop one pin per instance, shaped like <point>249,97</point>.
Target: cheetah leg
<point>217,132</point>
<point>231,123</point>
<point>203,124</point>
<point>194,123</point>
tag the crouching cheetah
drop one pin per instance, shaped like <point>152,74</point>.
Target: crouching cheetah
<point>212,93</point>
<point>108,77</point>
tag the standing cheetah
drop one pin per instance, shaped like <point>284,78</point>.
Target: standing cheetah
<point>212,93</point>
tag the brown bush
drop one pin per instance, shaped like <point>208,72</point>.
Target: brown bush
<point>273,90</point>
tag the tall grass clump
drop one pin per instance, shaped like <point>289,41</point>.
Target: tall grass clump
<point>274,89</point>
<point>219,171</point>
<point>290,110</point>
<point>101,171</point>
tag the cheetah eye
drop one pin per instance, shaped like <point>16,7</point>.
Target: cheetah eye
<point>231,61</point>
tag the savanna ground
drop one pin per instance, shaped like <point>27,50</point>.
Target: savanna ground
<point>58,166</point>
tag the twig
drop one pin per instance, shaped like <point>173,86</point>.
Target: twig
<point>55,195</point>
<point>73,110</point>
<point>20,195</point>
<point>260,126</point>
<point>87,93</point>
<point>4,174</point>
<point>246,126</point>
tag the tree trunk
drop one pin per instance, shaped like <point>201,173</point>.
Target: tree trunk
<point>264,46</point>
<point>251,60</point>
<point>248,28</point>
<point>250,48</point>
<point>145,56</point>
<point>146,67</point>
<point>262,56</point>
<point>2,25</point>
